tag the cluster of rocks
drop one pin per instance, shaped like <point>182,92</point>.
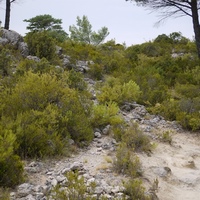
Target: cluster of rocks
<point>148,123</point>
<point>88,160</point>
<point>16,40</point>
<point>44,177</point>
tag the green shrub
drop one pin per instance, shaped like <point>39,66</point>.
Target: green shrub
<point>7,142</point>
<point>11,171</point>
<point>33,91</point>
<point>44,112</point>
<point>132,52</point>
<point>5,64</point>
<point>183,110</point>
<point>4,194</point>
<point>39,133</point>
<point>75,189</point>
<point>151,49</point>
<point>43,66</point>
<point>115,91</point>
<point>11,167</point>
<point>135,139</point>
<point>188,90</point>
<point>166,137</point>
<point>135,190</point>
<point>41,44</point>
<point>127,162</point>
<point>106,114</point>
<point>152,85</point>
<point>168,109</point>
<point>75,80</point>
<point>78,51</point>
<point>118,131</point>
<point>96,71</point>
<point>189,121</point>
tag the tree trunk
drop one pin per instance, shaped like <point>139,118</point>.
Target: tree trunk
<point>7,16</point>
<point>196,26</point>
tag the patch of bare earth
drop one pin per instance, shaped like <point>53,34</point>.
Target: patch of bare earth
<point>176,167</point>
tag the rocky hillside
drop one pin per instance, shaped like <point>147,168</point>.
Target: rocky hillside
<point>170,171</point>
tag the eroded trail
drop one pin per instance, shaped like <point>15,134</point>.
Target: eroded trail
<point>175,166</point>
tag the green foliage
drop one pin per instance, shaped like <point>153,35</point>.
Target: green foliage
<point>5,64</point>
<point>82,32</point>
<point>79,51</point>
<point>113,90</point>
<point>195,74</point>
<point>166,137</point>
<point>135,139</point>
<point>113,59</point>
<point>118,131</point>
<point>106,114</point>
<point>11,171</point>
<point>11,168</point>
<point>151,49</point>
<point>76,81</point>
<point>135,190</point>
<point>33,92</point>
<point>44,112</point>
<point>41,44</point>
<point>189,120</point>
<point>163,39</point>
<point>75,189</point>
<point>7,140</point>
<point>47,23</point>
<point>188,90</point>
<point>4,194</point>
<point>183,110</point>
<point>177,38</point>
<point>43,66</point>
<point>38,133</point>
<point>152,85</point>
<point>168,109</point>
<point>43,22</point>
<point>96,71</point>
<point>127,162</point>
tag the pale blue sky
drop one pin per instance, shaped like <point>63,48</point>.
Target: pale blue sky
<point>126,22</point>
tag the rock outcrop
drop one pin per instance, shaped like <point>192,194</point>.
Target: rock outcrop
<point>15,39</point>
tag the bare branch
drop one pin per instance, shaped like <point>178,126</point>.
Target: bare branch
<point>170,7</point>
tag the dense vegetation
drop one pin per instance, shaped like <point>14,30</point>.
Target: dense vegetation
<point>42,105</point>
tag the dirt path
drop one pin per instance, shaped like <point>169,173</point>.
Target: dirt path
<point>172,170</point>
<point>176,166</point>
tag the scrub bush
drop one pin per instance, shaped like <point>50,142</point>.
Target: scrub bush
<point>104,114</point>
<point>127,162</point>
<point>135,139</point>
<point>41,44</point>
<point>75,189</point>
<point>135,190</point>
<point>11,167</point>
<point>44,112</point>
<point>113,90</point>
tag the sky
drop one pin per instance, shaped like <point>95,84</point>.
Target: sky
<point>126,22</point>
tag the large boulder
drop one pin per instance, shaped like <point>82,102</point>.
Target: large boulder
<point>15,39</point>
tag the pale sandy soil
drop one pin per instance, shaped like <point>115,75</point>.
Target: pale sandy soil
<point>175,166</point>
<point>183,159</point>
